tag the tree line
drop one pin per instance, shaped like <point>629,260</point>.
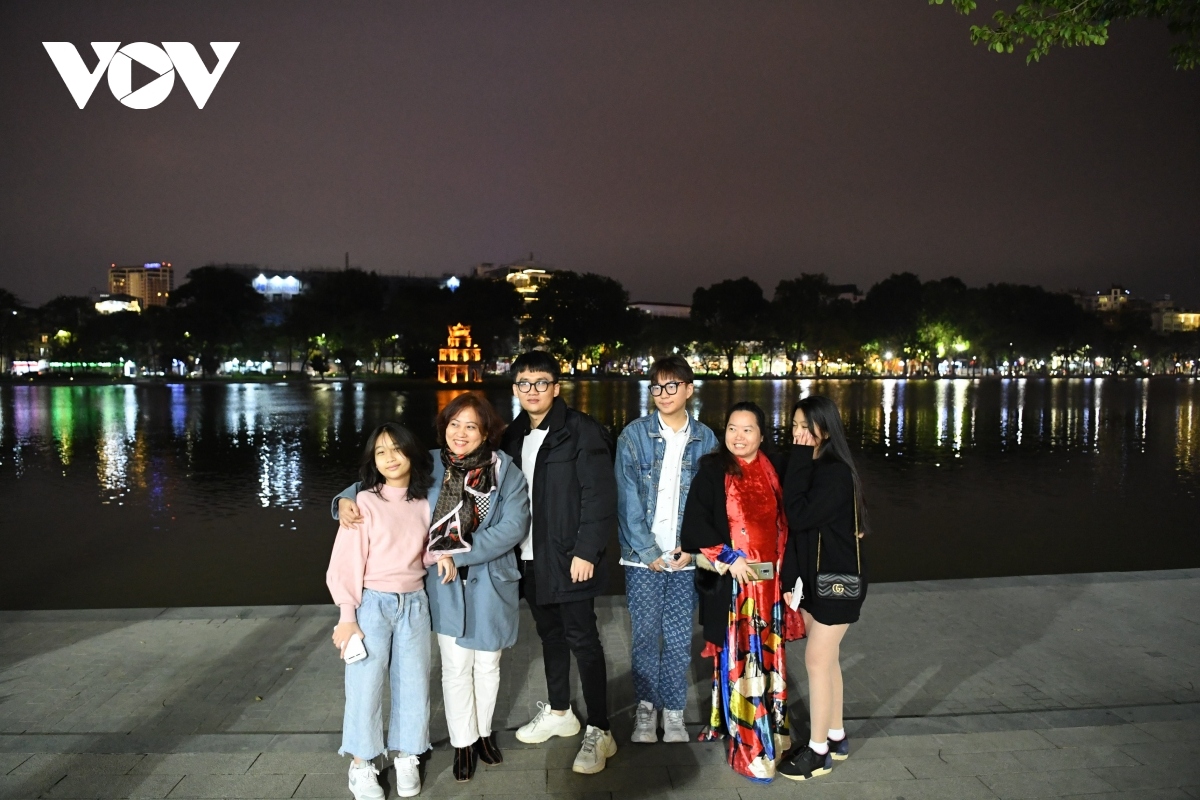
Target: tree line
<point>357,321</point>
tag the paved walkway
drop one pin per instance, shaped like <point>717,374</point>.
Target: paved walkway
<point>1058,686</point>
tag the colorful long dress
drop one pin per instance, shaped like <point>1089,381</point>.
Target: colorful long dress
<point>749,704</point>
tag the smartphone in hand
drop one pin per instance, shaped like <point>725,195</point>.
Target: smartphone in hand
<point>355,651</point>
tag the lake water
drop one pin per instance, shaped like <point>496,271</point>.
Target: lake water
<point>214,494</point>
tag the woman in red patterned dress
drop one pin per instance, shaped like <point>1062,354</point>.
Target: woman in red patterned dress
<point>734,517</point>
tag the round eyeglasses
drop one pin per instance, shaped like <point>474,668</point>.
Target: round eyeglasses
<point>524,386</point>
<point>670,387</point>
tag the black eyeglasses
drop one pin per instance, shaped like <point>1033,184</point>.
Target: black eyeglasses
<point>670,387</point>
<point>541,386</point>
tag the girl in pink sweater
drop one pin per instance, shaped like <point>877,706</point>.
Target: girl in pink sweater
<point>377,578</point>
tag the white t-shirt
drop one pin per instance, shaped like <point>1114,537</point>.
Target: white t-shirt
<point>529,450</point>
<point>665,526</point>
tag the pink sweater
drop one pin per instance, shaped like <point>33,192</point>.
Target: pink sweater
<point>384,552</point>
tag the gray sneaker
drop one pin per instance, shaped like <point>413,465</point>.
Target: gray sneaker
<point>408,776</point>
<point>645,724</point>
<point>364,781</point>
<point>673,729</point>
<point>598,746</point>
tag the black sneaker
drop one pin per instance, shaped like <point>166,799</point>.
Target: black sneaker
<point>839,749</point>
<point>806,764</point>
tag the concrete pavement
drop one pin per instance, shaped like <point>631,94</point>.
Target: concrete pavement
<point>1054,686</point>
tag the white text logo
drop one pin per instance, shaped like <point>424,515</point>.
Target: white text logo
<point>164,61</point>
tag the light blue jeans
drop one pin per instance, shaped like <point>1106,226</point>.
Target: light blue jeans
<point>396,632</point>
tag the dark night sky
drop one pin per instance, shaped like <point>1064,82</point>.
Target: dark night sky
<point>667,144</point>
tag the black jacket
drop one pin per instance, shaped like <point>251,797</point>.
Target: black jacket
<point>819,498</point>
<point>706,524</point>
<point>574,500</point>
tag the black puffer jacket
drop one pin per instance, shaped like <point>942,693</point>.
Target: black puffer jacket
<point>574,500</point>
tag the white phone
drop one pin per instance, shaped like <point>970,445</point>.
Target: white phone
<point>355,651</point>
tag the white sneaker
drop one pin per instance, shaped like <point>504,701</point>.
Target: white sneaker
<point>645,724</point>
<point>364,781</point>
<point>408,776</point>
<point>598,747</point>
<point>547,724</point>
<point>673,729</point>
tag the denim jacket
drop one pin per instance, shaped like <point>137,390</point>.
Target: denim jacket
<point>640,450</point>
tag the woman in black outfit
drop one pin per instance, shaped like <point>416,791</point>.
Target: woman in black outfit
<point>823,499</point>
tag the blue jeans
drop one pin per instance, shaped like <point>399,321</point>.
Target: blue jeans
<point>660,610</point>
<point>396,632</point>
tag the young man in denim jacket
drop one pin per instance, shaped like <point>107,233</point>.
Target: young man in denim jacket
<point>657,455</point>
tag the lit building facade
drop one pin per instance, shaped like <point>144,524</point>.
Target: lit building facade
<point>459,361</point>
<point>150,283</point>
<point>113,303</point>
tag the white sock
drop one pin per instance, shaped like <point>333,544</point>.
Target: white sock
<point>820,748</point>
<point>837,734</point>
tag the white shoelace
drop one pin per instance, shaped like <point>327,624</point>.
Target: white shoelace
<point>644,715</point>
<point>590,740</point>
<point>543,712</point>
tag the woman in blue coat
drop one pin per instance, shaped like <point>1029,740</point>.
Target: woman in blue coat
<point>480,513</point>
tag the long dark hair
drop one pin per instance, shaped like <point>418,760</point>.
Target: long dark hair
<point>420,477</point>
<point>729,462</point>
<point>823,413</point>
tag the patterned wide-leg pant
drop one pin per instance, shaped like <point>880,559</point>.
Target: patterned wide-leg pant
<point>660,608</point>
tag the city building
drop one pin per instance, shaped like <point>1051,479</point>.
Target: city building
<point>459,361</point>
<point>151,283</point>
<point>113,303</point>
<point>1168,318</point>
<point>526,276</point>
<point>674,310</point>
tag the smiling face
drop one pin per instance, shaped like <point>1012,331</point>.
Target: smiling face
<point>668,404</point>
<point>535,402</point>
<point>805,432</point>
<point>391,462</point>
<point>463,433</point>
<point>743,437</point>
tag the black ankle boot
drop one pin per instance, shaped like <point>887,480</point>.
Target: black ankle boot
<point>488,751</point>
<point>464,763</point>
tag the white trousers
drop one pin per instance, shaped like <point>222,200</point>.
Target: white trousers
<point>470,684</point>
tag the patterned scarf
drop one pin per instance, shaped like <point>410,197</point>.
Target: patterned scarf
<point>464,499</point>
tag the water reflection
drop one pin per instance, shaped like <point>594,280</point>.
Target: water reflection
<point>275,437</point>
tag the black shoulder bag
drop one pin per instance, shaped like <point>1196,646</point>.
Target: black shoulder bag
<point>841,585</point>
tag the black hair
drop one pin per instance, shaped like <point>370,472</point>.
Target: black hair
<point>729,462</point>
<point>675,367</point>
<point>536,361</point>
<point>420,477</point>
<point>490,424</point>
<point>822,413</point>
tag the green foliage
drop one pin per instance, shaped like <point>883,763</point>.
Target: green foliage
<point>1081,23</point>
<point>728,314</point>
<point>578,315</point>
<point>218,309</point>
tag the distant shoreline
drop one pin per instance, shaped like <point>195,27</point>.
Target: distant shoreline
<point>431,383</point>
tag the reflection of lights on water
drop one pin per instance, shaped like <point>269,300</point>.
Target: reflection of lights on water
<point>1020,410</point>
<point>178,409</point>
<point>960,412</point>
<point>1144,387</point>
<point>279,473</point>
<point>112,464</point>
<point>889,403</point>
<point>1187,437</point>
